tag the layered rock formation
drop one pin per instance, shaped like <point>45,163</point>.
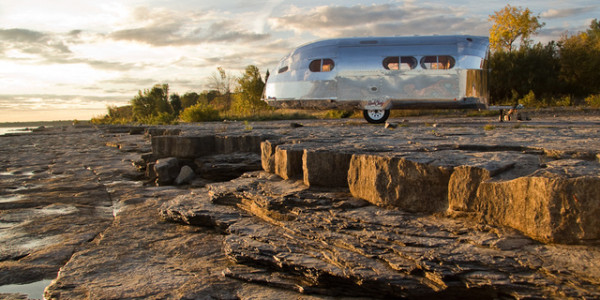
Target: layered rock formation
<point>559,203</point>
<point>284,234</point>
<point>341,209</point>
<point>547,193</point>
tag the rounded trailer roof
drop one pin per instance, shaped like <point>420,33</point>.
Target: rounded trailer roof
<point>479,42</point>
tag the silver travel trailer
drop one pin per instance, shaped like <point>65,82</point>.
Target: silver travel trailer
<point>376,74</point>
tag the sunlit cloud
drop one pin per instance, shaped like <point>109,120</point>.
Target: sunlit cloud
<point>21,35</point>
<point>566,12</point>
<point>161,27</point>
<point>17,43</point>
<point>379,20</point>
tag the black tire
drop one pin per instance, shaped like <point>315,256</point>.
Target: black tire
<point>376,116</point>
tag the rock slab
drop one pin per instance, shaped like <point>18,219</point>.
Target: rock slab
<point>329,243</point>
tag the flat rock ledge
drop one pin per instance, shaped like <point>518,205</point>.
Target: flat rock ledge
<point>283,234</point>
<point>543,181</point>
<point>460,211</point>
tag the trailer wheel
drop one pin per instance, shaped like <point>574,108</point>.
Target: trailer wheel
<point>376,116</point>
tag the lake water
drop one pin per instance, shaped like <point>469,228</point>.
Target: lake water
<point>34,290</point>
<point>5,130</point>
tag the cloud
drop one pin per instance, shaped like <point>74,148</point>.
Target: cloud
<point>141,82</point>
<point>228,31</point>
<point>129,86</point>
<point>158,27</point>
<point>94,63</point>
<point>384,19</point>
<point>565,13</point>
<point>263,56</point>
<point>41,48</point>
<point>31,42</point>
<point>21,35</point>
<point>337,16</point>
<point>549,34</point>
<point>424,26</point>
<point>161,27</point>
<point>161,35</point>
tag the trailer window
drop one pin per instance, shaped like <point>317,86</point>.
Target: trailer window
<point>321,65</point>
<point>440,62</point>
<point>399,63</point>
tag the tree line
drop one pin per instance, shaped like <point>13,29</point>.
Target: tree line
<point>564,72</point>
<point>229,97</point>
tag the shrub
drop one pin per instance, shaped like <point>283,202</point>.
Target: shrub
<point>488,127</point>
<point>338,114</point>
<point>529,100</point>
<point>98,120</point>
<point>247,126</point>
<point>564,101</point>
<point>161,118</point>
<point>593,100</point>
<point>200,112</point>
<point>244,106</point>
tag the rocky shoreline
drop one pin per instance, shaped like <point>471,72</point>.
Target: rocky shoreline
<point>425,208</point>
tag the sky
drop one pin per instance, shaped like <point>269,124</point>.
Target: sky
<point>70,59</point>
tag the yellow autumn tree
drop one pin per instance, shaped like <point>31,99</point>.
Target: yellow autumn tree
<point>510,24</point>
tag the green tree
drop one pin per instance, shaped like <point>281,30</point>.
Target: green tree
<point>188,99</point>
<point>248,93</point>
<point>120,112</point>
<point>510,24</point>
<point>149,104</point>
<point>594,31</point>
<point>142,106</point>
<point>533,69</point>
<point>580,61</point>
<point>116,115</point>
<point>208,96</point>
<point>160,94</point>
<point>176,104</point>
<point>224,83</point>
<point>251,83</point>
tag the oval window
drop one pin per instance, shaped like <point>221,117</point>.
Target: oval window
<point>408,63</point>
<point>327,65</point>
<point>399,63</point>
<point>321,65</point>
<point>391,63</point>
<point>440,62</point>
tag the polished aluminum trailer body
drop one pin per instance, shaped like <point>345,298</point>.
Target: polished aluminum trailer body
<point>382,73</point>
